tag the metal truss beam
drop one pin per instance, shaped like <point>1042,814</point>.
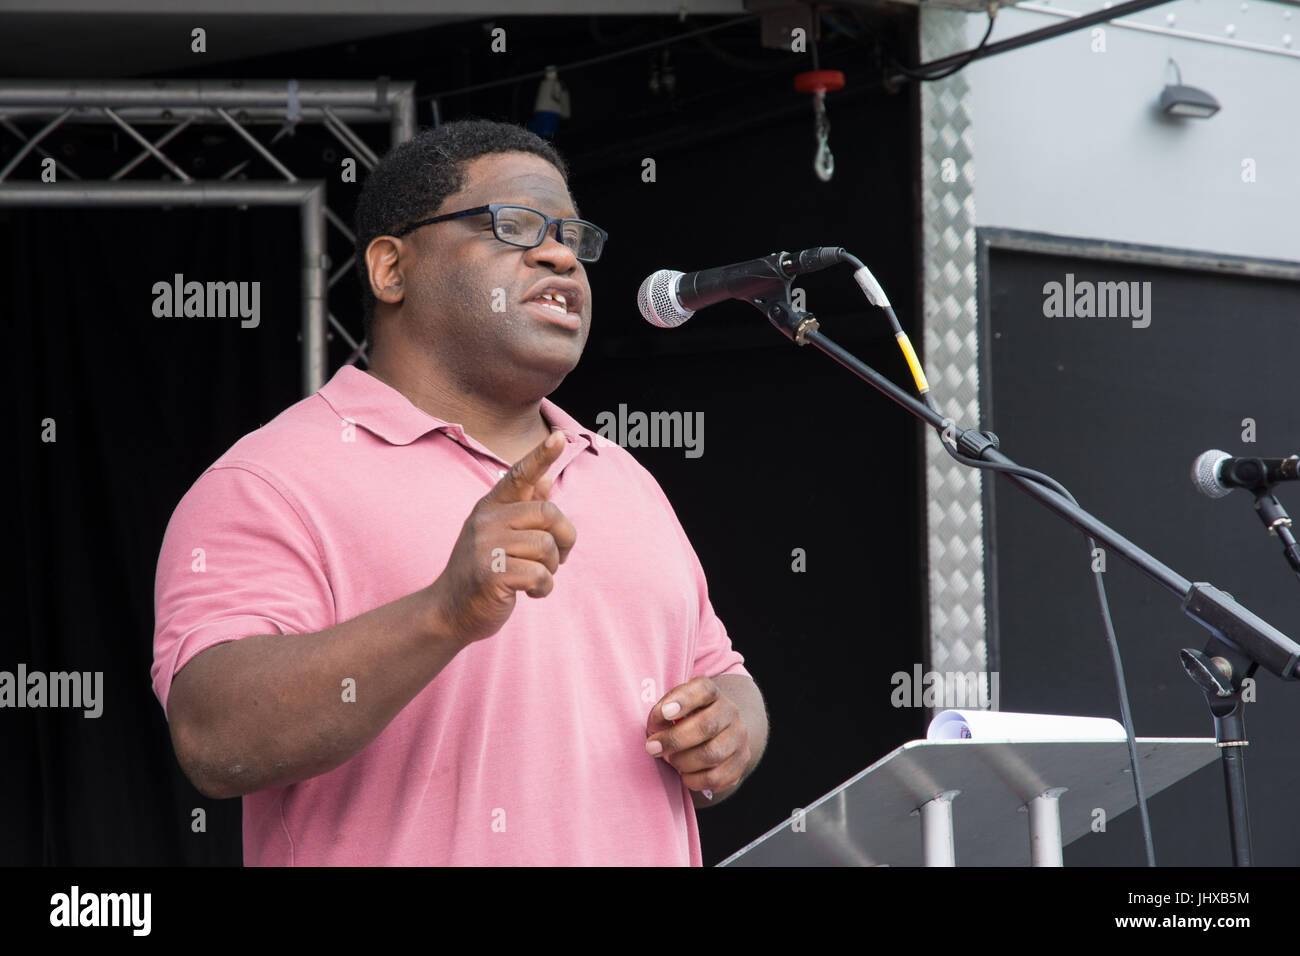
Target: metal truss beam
<point>236,104</point>
<point>253,101</point>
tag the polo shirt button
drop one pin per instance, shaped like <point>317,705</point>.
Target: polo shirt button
<point>501,473</point>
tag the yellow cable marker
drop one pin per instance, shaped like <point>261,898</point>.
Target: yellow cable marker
<point>913,362</point>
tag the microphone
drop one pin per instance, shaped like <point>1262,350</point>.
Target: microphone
<point>668,298</point>
<point>1215,473</point>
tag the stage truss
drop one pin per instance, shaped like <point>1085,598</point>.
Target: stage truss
<point>238,105</point>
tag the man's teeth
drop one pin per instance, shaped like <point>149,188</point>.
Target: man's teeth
<point>554,301</point>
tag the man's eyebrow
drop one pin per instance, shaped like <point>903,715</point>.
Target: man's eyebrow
<point>520,199</point>
<point>531,202</point>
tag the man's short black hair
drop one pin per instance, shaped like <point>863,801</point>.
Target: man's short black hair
<point>411,182</point>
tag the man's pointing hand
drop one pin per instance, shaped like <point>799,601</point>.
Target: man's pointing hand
<point>513,540</point>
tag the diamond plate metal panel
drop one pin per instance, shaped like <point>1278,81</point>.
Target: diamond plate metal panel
<point>954,519</point>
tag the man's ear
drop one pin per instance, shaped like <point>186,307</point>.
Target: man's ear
<point>383,263</point>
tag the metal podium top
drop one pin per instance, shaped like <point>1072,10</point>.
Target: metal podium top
<point>872,819</point>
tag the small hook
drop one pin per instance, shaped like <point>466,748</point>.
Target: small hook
<point>824,165</point>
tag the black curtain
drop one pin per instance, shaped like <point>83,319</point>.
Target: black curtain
<point>138,406</point>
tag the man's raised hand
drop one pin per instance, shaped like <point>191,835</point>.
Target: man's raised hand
<point>513,540</point>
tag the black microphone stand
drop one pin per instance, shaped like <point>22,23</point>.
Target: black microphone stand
<point>1221,674</point>
<point>1240,641</point>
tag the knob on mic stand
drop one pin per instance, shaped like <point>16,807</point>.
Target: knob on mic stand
<point>1221,674</point>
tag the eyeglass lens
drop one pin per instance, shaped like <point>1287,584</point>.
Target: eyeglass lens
<point>524,227</point>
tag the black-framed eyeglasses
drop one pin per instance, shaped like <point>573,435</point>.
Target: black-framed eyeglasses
<point>527,228</point>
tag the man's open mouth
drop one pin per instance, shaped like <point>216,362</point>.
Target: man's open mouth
<point>554,301</point>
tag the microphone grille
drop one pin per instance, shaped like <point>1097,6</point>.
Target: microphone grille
<point>657,300</point>
<point>1205,473</point>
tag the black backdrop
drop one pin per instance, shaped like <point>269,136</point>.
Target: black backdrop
<point>793,443</point>
<point>141,407</point>
<point>1118,414</point>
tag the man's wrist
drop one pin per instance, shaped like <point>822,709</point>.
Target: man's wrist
<point>437,629</point>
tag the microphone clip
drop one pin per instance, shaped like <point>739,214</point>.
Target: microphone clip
<point>794,325</point>
<point>774,301</point>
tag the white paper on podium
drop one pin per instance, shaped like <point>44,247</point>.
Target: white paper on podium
<point>995,725</point>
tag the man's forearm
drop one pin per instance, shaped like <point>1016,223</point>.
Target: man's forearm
<point>270,710</point>
<point>749,700</point>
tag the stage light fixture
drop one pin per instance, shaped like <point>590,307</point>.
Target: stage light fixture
<point>1179,100</point>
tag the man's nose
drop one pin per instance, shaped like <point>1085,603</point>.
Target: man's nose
<point>554,251</point>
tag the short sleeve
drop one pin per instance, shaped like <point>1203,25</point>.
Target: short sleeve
<point>237,560</point>
<point>714,654</point>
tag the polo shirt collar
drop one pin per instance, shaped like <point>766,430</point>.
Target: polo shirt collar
<point>359,397</point>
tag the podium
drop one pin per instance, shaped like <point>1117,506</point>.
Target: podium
<point>969,802</point>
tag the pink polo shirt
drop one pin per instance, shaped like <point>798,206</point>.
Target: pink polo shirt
<point>529,747</point>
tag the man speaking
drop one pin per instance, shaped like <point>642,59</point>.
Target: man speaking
<point>341,637</point>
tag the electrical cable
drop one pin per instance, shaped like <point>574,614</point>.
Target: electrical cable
<point>925,77</point>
